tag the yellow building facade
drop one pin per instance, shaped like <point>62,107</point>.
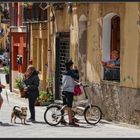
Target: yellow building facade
<point>90,34</point>
<point>39,50</point>
<point>86,33</point>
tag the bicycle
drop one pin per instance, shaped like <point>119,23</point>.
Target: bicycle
<point>92,113</point>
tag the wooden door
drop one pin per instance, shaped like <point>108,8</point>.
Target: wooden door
<point>115,33</point>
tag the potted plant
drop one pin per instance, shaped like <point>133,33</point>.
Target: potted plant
<point>7,72</point>
<point>44,98</point>
<point>20,85</point>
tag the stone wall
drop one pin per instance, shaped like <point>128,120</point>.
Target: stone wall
<point>117,103</point>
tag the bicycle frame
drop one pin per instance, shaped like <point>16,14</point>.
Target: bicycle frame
<point>87,111</point>
<point>86,95</point>
<point>76,107</point>
<point>87,103</point>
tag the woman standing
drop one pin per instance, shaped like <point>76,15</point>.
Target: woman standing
<point>31,81</point>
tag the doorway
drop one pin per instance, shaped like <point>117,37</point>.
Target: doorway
<point>62,54</point>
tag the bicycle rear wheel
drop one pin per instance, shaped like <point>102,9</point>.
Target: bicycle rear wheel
<point>92,114</point>
<point>53,115</point>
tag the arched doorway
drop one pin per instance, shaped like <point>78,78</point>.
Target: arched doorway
<point>110,41</point>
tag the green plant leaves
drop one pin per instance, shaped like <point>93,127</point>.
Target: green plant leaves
<point>6,70</point>
<point>19,82</point>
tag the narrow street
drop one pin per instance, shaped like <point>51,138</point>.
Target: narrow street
<point>42,130</point>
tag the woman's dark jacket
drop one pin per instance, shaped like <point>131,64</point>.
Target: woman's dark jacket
<point>33,83</point>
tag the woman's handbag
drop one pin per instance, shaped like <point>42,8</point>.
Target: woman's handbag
<point>77,90</point>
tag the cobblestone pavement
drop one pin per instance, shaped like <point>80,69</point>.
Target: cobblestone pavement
<point>42,130</point>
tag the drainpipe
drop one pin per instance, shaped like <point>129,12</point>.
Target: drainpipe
<point>49,49</point>
<point>10,45</point>
<point>29,39</point>
<point>10,75</point>
<point>28,43</point>
<point>52,19</point>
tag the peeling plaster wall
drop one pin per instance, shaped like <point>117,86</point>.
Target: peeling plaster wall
<point>93,43</point>
<point>131,46</point>
<point>82,48</point>
<point>74,38</point>
<point>62,20</point>
<point>118,101</point>
<point>78,34</point>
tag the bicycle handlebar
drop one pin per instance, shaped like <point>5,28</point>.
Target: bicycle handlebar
<point>81,84</point>
<point>84,85</point>
<point>87,85</point>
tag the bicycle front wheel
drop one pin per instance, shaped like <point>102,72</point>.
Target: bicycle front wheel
<point>53,115</point>
<point>92,114</point>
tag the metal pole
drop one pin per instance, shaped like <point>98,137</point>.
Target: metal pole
<point>10,52</point>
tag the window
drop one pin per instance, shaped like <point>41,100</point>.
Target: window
<point>33,12</point>
<point>112,67</point>
<point>111,47</point>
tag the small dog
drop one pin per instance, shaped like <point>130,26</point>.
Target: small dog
<point>20,112</point>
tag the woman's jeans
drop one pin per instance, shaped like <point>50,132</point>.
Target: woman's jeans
<point>32,100</point>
